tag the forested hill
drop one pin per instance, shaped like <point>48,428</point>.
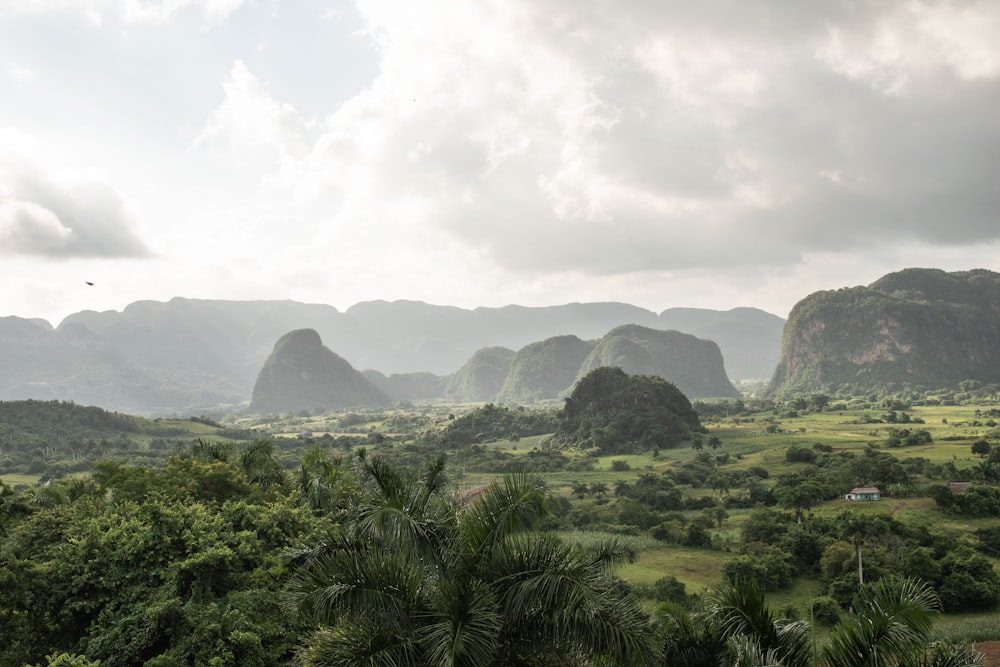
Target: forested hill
<point>63,419</point>
<point>54,438</point>
<point>917,328</point>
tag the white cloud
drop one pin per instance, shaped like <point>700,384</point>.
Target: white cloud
<point>584,139</point>
<point>510,150</point>
<point>84,217</point>
<point>130,10</point>
<point>30,229</point>
<point>913,39</point>
<point>162,10</point>
<point>20,73</point>
<point>251,129</point>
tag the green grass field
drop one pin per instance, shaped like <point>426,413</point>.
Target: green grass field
<point>14,479</point>
<point>748,443</point>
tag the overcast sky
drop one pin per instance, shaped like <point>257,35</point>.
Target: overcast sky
<point>663,153</point>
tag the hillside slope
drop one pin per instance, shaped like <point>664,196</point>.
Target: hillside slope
<point>694,365</point>
<point>302,374</point>
<point>917,328</point>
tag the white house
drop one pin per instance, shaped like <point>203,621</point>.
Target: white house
<point>864,494</point>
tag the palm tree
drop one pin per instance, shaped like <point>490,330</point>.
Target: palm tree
<point>599,489</point>
<point>735,628</point>
<point>320,480</point>
<point>258,464</point>
<point>690,639</point>
<point>715,443</point>
<point>860,528</point>
<point>421,576</point>
<point>890,625</point>
<point>754,634</point>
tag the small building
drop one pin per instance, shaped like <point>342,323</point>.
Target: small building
<point>864,494</point>
<point>958,487</point>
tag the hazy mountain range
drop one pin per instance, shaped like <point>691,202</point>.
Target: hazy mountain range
<point>190,355</point>
<point>916,328</point>
<point>303,374</point>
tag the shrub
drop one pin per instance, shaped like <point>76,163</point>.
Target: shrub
<point>825,610</point>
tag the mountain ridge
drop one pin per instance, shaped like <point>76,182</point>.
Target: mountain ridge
<point>192,355</point>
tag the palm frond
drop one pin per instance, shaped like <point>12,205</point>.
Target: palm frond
<point>890,625</point>
<point>356,583</point>
<point>952,655</point>
<point>506,506</point>
<point>367,645</point>
<point>552,592</point>
<point>465,626</point>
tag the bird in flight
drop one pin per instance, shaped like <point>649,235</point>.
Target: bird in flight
<point>89,283</point>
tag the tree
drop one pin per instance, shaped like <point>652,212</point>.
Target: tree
<point>751,629</point>
<point>890,625</point>
<point>981,448</point>
<point>859,528</point>
<point>800,496</point>
<point>715,443</point>
<point>421,577</point>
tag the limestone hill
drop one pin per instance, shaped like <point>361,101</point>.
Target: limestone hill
<point>913,329</point>
<point>482,376</point>
<point>542,370</point>
<point>693,364</point>
<point>302,374</point>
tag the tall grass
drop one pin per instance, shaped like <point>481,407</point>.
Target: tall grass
<point>967,628</point>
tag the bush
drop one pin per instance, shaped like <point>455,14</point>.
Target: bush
<point>770,569</point>
<point>800,455</point>
<point>825,610</point>
<point>669,589</point>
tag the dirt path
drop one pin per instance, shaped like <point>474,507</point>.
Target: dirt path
<point>992,652</point>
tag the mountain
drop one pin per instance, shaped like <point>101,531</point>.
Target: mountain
<point>544,369</point>
<point>750,339</point>
<point>74,363</point>
<point>482,376</point>
<point>302,374</point>
<point>694,365</point>
<point>408,386</point>
<point>195,355</point>
<point>916,328</point>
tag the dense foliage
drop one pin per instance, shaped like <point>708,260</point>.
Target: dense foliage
<point>918,328</point>
<point>616,413</point>
<point>54,438</point>
<point>498,422</point>
<point>170,567</point>
<point>305,548</point>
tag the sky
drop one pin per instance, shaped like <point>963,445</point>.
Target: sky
<point>711,154</point>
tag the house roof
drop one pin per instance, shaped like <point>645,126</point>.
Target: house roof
<point>865,489</point>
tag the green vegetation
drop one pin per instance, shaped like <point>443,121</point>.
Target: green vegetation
<point>616,413</point>
<point>185,557</point>
<point>914,329</point>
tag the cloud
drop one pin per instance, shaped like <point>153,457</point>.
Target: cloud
<point>144,10</point>
<point>250,128</point>
<point>87,218</point>
<point>130,10</point>
<point>581,139</point>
